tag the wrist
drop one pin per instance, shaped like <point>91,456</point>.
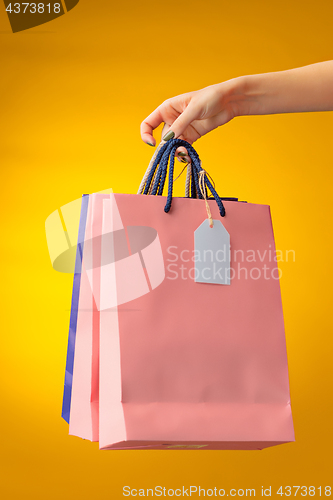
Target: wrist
<point>242,95</point>
<point>254,90</point>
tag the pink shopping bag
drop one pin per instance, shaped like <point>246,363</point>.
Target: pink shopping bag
<point>84,401</point>
<point>185,364</point>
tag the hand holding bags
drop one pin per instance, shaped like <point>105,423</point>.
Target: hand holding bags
<point>182,363</point>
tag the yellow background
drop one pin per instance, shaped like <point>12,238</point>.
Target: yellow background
<point>73,94</point>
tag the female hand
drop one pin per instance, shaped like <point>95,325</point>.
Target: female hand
<point>192,115</point>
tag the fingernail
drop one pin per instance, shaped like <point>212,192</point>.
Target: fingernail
<point>181,154</point>
<point>169,135</point>
<point>150,144</point>
<point>183,160</point>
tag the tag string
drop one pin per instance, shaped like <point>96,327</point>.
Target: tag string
<point>203,192</point>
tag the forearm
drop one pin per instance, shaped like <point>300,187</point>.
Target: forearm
<point>194,114</point>
<point>309,88</point>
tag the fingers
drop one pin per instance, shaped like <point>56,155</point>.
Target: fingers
<point>182,155</point>
<point>190,113</point>
<point>165,113</point>
<point>177,114</point>
<point>181,152</point>
<point>147,127</point>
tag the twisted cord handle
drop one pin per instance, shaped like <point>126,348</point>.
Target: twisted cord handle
<point>155,176</point>
<point>188,180</point>
<point>145,177</point>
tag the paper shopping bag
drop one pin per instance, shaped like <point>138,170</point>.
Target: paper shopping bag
<point>185,363</point>
<point>81,392</point>
<point>68,383</point>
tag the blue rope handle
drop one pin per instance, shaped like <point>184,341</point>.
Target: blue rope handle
<point>154,167</point>
<point>160,166</point>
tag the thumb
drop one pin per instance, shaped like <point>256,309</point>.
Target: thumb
<point>190,113</point>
